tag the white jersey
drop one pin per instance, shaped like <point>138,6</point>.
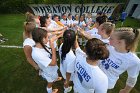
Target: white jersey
<point>88,78</point>
<point>53,24</point>
<point>93,32</point>
<point>88,22</point>
<point>70,21</point>
<point>75,22</point>
<point>29,42</point>
<point>43,59</point>
<point>64,22</point>
<point>81,24</point>
<point>106,41</point>
<point>117,63</point>
<point>67,65</point>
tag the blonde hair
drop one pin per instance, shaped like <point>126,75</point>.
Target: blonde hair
<point>131,38</point>
<point>109,27</point>
<point>124,29</point>
<point>29,17</point>
<point>28,28</point>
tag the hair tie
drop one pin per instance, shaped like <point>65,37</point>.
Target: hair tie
<point>68,34</point>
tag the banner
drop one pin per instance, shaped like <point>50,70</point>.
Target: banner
<point>42,9</point>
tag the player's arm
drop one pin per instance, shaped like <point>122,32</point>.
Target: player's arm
<point>85,34</point>
<point>28,50</point>
<point>53,62</point>
<point>76,45</point>
<point>127,89</point>
<point>133,73</point>
<point>66,83</point>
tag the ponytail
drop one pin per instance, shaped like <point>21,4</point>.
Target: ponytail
<point>69,37</point>
<point>136,32</point>
<point>136,39</point>
<point>44,46</point>
<point>29,17</point>
<point>109,27</point>
<point>28,28</point>
<point>65,49</point>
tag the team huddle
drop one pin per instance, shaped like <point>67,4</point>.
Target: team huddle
<point>92,52</point>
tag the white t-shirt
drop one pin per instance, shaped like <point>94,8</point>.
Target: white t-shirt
<point>81,24</point>
<point>88,78</point>
<point>53,24</point>
<point>43,59</point>
<point>70,21</point>
<point>94,33</point>
<point>117,63</point>
<point>29,42</point>
<point>67,65</point>
<point>88,22</point>
<point>75,22</point>
<point>64,22</point>
<point>104,40</point>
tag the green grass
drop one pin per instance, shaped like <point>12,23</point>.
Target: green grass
<point>18,76</point>
<point>130,22</point>
<point>11,26</point>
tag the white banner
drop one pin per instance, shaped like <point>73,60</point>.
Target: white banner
<point>43,9</point>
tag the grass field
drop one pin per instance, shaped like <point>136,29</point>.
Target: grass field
<point>17,76</point>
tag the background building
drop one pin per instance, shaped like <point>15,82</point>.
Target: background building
<point>133,8</point>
